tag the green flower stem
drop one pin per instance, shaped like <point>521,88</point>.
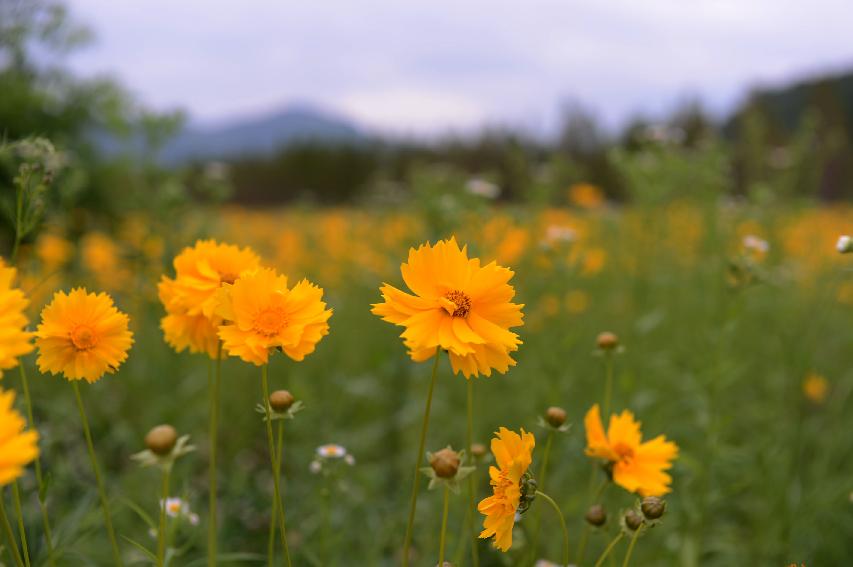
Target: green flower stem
<point>273,514</point>
<point>608,385</point>
<point>161,533</point>
<point>48,536</point>
<point>22,530</point>
<point>105,503</point>
<point>631,547</point>
<point>10,536</point>
<point>556,508</point>
<point>442,537</point>
<point>608,549</point>
<point>540,479</point>
<point>213,386</point>
<point>469,516</point>
<point>424,427</point>
<point>275,480</point>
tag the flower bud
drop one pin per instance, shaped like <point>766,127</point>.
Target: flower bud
<point>445,463</point>
<point>653,507</point>
<point>478,450</point>
<point>161,439</point>
<point>596,515</point>
<point>845,244</point>
<point>555,416</point>
<point>633,520</point>
<point>281,400</point>
<point>607,341</point>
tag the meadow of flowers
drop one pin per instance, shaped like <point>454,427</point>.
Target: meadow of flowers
<point>476,385</point>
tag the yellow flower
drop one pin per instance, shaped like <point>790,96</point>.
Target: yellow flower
<point>815,388</point>
<point>14,340</point>
<point>17,446</point>
<point>586,195</point>
<point>53,251</point>
<point>513,454</point>
<point>82,335</point>
<point>459,306</point>
<point>637,466</point>
<point>262,314</point>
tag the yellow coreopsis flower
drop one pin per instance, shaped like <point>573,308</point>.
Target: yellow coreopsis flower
<point>18,447</point>
<point>82,336</point>
<point>513,455</point>
<point>14,339</point>
<point>586,195</point>
<point>458,305</point>
<point>637,466</point>
<point>815,388</point>
<point>262,313</point>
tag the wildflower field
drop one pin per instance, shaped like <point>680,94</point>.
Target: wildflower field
<point>716,334</point>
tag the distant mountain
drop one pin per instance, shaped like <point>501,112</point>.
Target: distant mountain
<point>259,136</point>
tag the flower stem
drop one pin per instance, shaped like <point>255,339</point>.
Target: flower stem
<point>213,386</point>
<point>540,478</point>
<point>424,427</point>
<point>475,553</point>
<point>10,536</point>
<point>48,536</point>
<point>443,535</point>
<point>22,530</point>
<point>161,533</point>
<point>608,549</point>
<point>273,513</point>
<point>105,503</point>
<point>631,547</point>
<point>271,445</point>
<point>608,384</point>
<point>556,508</point>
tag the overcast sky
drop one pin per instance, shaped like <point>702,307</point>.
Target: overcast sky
<point>425,67</point>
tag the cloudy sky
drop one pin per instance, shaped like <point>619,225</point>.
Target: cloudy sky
<point>426,67</point>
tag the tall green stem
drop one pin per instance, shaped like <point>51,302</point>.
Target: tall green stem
<point>424,427</point>
<point>442,537</point>
<point>48,536</point>
<point>161,533</point>
<point>7,529</point>
<point>608,385</point>
<point>213,386</point>
<point>631,547</point>
<point>22,529</point>
<point>105,503</point>
<point>273,513</point>
<point>556,508</point>
<point>469,516</point>
<point>271,447</point>
<point>540,479</point>
<point>608,549</point>
<point>19,210</point>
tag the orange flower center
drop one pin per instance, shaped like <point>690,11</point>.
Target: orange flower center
<point>83,337</point>
<point>228,278</point>
<point>458,303</point>
<point>270,321</point>
<point>624,451</point>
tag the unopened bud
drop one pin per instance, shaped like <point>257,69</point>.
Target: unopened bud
<point>445,463</point>
<point>845,244</point>
<point>633,520</point>
<point>653,507</point>
<point>596,515</point>
<point>607,341</point>
<point>281,400</point>
<point>478,450</point>
<point>161,439</point>
<point>555,416</point>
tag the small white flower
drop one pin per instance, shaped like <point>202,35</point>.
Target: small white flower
<point>174,507</point>
<point>349,459</point>
<point>845,244</point>
<point>331,451</point>
<point>755,244</point>
<point>482,188</point>
<point>193,518</point>
<point>557,233</point>
<point>315,467</point>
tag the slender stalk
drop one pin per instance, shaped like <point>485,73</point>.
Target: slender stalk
<point>424,427</point>
<point>10,536</point>
<point>105,503</point>
<point>442,537</point>
<point>469,516</point>
<point>275,480</point>
<point>19,209</point>
<point>608,549</point>
<point>48,536</point>
<point>273,514</point>
<point>631,547</point>
<point>326,498</point>
<point>540,479</point>
<point>608,384</point>
<point>213,386</point>
<point>22,530</point>
<point>161,533</point>
<point>556,508</point>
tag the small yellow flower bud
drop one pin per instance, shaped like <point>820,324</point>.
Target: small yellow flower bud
<point>161,439</point>
<point>555,416</point>
<point>478,450</point>
<point>596,515</point>
<point>281,400</point>
<point>445,463</point>
<point>653,507</point>
<point>633,520</point>
<point>607,341</point>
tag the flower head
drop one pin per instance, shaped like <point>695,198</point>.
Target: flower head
<point>82,335</point>
<point>17,446</point>
<point>262,313</point>
<point>458,306</point>
<point>844,244</point>
<point>513,454</point>
<point>637,466</point>
<point>14,340</point>
<point>815,388</point>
